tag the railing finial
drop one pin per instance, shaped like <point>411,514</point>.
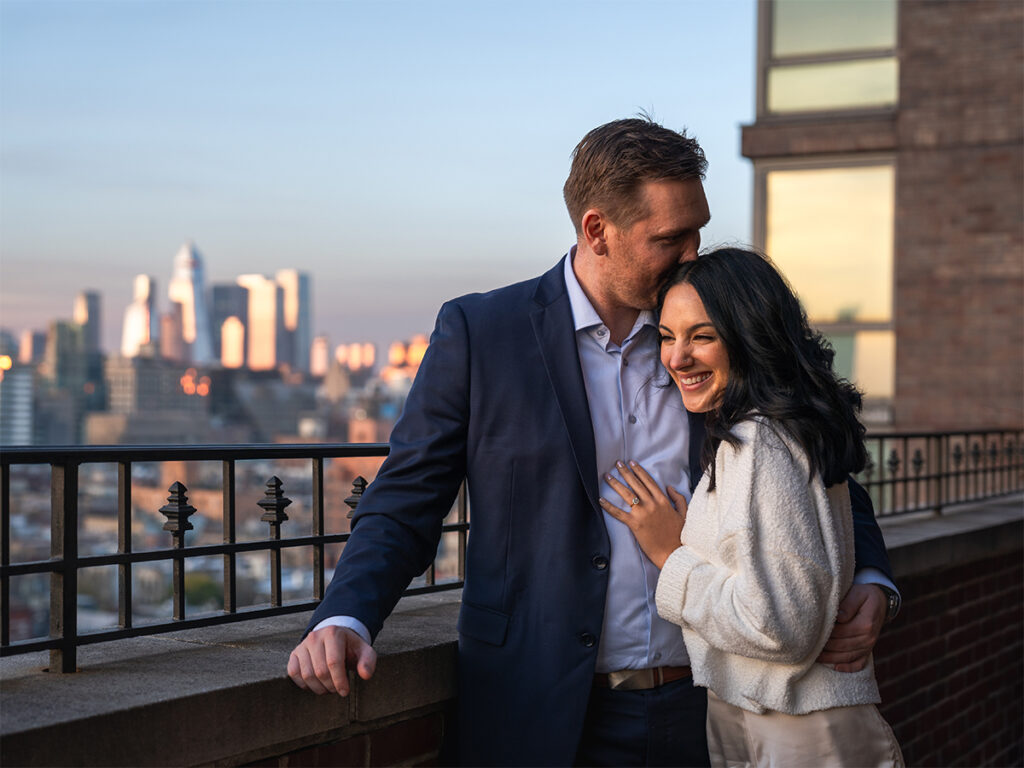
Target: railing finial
<point>358,486</point>
<point>273,503</point>
<point>177,510</point>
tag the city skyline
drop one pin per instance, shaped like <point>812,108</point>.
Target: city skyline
<point>400,154</point>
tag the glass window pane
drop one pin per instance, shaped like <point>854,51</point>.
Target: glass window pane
<point>830,230</point>
<point>868,359</point>
<point>842,84</point>
<point>802,27</point>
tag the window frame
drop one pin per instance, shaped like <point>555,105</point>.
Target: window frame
<point>766,61</point>
<point>762,167</point>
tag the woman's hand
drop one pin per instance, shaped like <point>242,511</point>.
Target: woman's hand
<point>655,519</point>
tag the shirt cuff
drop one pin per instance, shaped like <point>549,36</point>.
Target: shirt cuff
<point>349,622</point>
<point>874,576</point>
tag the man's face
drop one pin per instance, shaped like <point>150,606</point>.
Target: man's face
<point>641,255</point>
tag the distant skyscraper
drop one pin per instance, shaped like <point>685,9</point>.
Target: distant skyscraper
<point>264,322</point>
<point>188,288</point>
<point>87,315</point>
<point>320,356</point>
<point>297,310</point>
<point>227,300</point>
<point>32,347</point>
<point>141,322</point>
<point>16,406</point>
<point>172,337</point>
<point>232,344</point>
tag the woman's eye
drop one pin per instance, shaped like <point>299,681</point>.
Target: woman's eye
<point>662,339</point>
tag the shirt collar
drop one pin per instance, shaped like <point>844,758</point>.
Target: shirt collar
<point>583,313</point>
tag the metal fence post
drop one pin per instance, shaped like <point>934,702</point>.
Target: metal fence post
<point>64,579</point>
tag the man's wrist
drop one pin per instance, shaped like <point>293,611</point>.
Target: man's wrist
<point>893,602</point>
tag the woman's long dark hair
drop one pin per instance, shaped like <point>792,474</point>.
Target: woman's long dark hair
<point>779,366</point>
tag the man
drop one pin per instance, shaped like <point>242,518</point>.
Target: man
<point>531,393</point>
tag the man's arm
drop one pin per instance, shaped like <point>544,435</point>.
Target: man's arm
<point>397,525</point>
<point>862,611</point>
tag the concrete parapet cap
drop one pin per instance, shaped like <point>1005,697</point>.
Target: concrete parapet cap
<point>923,541</point>
<point>215,695</point>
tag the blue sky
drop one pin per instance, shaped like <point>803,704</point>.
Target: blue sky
<point>401,152</point>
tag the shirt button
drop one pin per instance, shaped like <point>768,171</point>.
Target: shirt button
<point>625,363</point>
<point>632,419</point>
<point>657,656</point>
<point>601,331</point>
<point>600,562</point>
<point>588,640</point>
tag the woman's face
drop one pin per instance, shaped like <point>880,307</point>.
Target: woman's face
<point>692,351</point>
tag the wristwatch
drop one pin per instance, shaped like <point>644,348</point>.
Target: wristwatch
<point>893,602</point>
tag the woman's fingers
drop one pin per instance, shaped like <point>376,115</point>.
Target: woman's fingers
<point>645,477</point>
<point>678,500</point>
<point>626,492</point>
<point>621,515</point>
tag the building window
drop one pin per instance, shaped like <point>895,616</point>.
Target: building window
<point>820,55</point>
<point>829,227</point>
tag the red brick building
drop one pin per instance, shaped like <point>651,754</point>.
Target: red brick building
<point>889,186</point>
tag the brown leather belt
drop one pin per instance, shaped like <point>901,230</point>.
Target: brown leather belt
<point>640,679</point>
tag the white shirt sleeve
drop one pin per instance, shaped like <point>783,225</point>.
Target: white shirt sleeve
<point>349,622</point>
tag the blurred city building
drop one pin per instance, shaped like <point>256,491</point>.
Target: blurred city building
<point>188,288</point>
<point>141,327</point>
<point>297,308</point>
<point>889,185</point>
<point>32,347</point>
<point>227,301</point>
<point>264,321</point>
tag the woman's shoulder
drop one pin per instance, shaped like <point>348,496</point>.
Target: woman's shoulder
<point>766,438</point>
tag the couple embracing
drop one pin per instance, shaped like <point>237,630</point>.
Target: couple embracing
<point>666,557</point>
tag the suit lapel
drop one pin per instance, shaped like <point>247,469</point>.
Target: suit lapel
<point>553,326</point>
<point>697,433</point>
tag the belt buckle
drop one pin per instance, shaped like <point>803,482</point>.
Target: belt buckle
<point>632,679</point>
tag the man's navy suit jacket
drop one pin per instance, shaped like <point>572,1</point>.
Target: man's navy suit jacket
<point>499,400</point>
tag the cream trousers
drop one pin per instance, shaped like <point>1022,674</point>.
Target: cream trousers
<point>844,737</point>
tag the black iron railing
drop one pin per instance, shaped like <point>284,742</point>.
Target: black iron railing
<point>928,471</point>
<point>907,472</point>
<point>65,562</point>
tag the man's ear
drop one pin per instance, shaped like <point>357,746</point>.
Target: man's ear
<point>594,227</point>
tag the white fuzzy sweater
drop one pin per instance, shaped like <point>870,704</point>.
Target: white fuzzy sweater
<point>765,559</point>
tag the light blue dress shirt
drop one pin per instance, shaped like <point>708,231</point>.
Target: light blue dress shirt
<point>637,415</point>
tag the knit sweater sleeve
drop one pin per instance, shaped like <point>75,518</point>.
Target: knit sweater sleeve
<point>755,579</point>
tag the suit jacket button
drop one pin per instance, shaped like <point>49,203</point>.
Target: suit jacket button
<point>588,640</point>
<point>600,562</point>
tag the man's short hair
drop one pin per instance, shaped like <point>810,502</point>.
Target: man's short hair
<point>614,160</point>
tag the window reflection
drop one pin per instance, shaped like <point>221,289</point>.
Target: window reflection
<point>867,358</point>
<point>831,85</point>
<point>803,27</point>
<point>830,230</point>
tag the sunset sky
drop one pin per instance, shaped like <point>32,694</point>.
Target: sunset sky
<point>400,152</point>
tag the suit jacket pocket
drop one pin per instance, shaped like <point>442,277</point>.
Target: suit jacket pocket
<point>483,624</point>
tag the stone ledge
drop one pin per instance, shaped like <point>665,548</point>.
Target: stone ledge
<point>217,695</point>
<point>924,541</point>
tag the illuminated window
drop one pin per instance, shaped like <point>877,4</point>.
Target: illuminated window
<point>826,55</point>
<point>829,228</point>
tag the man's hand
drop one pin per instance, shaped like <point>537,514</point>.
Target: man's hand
<point>860,619</point>
<point>320,663</point>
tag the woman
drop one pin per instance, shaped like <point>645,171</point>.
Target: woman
<point>767,547</point>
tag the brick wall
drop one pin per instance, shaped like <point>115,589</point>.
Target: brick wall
<point>414,742</point>
<point>957,136</point>
<point>951,668</point>
<point>959,282</point>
